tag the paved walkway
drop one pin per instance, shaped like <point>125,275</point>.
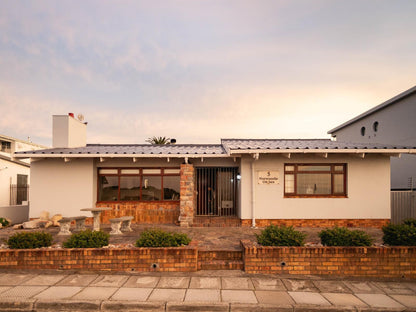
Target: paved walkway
<point>199,291</point>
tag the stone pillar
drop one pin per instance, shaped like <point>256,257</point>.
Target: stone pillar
<point>188,195</point>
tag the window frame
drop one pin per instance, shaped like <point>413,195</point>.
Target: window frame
<point>333,172</point>
<point>140,176</point>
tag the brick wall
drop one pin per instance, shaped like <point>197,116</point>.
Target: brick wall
<point>372,223</point>
<point>144,212</point>
<point>188,195</point>
<point>172,259</point>
<point>391,262</point>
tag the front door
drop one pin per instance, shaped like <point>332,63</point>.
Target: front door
<point>216,189</point>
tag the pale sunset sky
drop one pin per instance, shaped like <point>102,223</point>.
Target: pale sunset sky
<point>200,70</point>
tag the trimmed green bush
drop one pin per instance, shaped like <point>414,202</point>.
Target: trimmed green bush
<point>27,240</point>
<point>160,238</point>
<point>274,235</point>
<point>410,221</point>
<point>400,234</point>
<point>341,236</point>
<point>87,239</point>
<point>4,222</point>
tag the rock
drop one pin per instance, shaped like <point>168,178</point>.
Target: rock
<point>17,226</point>
<point>48,224</point>
<point>33,224</point>
<point>1,225</point>
<point>44,215</point>
<point>55,219</point>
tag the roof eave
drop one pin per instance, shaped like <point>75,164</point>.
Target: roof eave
<point>74,155</point>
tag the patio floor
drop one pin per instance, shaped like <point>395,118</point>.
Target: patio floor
<point>225,238</point>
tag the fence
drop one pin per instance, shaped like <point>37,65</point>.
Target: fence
<point>403,205</point>
<point>18,194</point>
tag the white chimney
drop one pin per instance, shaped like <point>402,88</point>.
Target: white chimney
<point>68,131</point>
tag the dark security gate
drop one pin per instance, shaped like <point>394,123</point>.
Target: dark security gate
<point>217,188</point>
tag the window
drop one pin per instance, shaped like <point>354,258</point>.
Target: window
<point>375,126</point>
<point>362,131</point>
<point>138,184</point>
<point>6,146</point>
<point>315,180</point>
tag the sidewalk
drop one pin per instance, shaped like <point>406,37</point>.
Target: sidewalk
<point>199,291</point>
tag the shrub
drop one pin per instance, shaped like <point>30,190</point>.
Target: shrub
<point>4,222</point>
<point>400,234</point>
<point>274,235</point>
<point>87,239</point>
<point>410,221</point>
<point>160,238</point>
<point>26,240</point>
<point>341,236</point>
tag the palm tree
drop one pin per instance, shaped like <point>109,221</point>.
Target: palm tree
<point>158,140</point>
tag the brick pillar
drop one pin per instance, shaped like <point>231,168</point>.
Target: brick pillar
<point>188,195</point>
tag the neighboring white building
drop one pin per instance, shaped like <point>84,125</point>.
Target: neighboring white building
<point>392,122</point>
<point>14,173</point>
<point>250,182</point>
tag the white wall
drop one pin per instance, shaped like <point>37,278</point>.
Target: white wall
<point>8,174</point>
<point>368,189</point>
<point>60,187</point>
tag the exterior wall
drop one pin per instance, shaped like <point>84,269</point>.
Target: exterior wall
<point>61,187</point>
<point>391,262</point>
<point>368,190</point>
<point>396,126</point>
<point>68,132</point>
<point>8,175</point>
<point>17,214</point>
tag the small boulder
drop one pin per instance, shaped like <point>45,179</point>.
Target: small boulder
<point>55,219</point>
<point>33,224</point>
<point>44,215</point>
<point>17,226</point>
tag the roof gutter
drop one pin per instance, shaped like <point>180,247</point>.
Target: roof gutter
<point>37,155</point>
<point>320,151</point>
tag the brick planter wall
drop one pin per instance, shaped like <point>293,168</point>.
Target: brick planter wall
<point>391,262</point>
<point>371,223</point>
<point>171,259</point>
<point>144,212</point>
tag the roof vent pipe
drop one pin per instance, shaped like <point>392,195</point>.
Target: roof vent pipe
<point>172,141</point>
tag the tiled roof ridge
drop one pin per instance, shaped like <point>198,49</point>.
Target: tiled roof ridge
<point>245,139</point>
<point>153,145</point>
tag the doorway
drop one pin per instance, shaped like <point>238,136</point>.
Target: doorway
<point>216,191</point>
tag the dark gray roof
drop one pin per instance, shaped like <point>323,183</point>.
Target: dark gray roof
<point>375,109</point>
<point>264,144</point>
<point>131,149</point>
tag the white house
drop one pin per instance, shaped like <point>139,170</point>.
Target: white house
<point>239,182</point>
<point>14,173</point>
<point>392,122</point>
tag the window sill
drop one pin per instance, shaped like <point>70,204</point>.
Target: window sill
<point>315,196</point>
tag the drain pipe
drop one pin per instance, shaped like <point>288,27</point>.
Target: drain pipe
<point>253,191</point>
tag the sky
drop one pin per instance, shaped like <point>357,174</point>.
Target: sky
<point>200,70</point>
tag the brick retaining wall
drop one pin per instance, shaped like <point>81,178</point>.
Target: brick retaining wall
<point>369,223</point>
<point>171,259</point>
<point>391,262</point>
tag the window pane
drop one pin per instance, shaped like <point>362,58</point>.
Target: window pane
<point>151,171</point>
<point>289,183</point>
<point>314,168</point>
<point>129,188</point>
<point>289,168</point>
<point>108,171</point>
<point>171,188</point>
<point>108,188</point>
<point>314,184</point>
<point>338,184</point>
<point>130,171</point>
<point>172,171</point>
<point>151,188</point>
<point>339,168</point>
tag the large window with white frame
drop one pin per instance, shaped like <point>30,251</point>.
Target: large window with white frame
<point>315,180</point>
<point>138,184</point>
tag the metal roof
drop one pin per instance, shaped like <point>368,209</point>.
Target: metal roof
<point>375,109</point>
<point>228,147</point>
<point>294,144</point>
<point>133,149</point>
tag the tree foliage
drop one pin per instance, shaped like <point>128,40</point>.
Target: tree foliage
<point>158,140</point>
